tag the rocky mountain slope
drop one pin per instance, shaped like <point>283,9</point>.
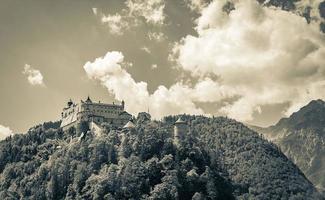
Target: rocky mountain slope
<point>219,159</point>
<point>302,138</point>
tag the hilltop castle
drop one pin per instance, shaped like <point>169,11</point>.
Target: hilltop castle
<point>98,113</point>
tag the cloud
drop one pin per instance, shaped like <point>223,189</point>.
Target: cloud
<point>34,76</point>
<point>146,49</point>
<point>117,23</point>
<point>95,11</point>
<point>179,98</point>
<point>154,66</point>
<point>312,10</point>
<point>156,36</point>
<point>151,10</point>
<point>196,5</point>
<point>5,132</point>
<point>108,70</point>
<point>263,55</point>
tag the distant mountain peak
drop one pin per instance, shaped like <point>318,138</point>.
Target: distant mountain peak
<point>310,116</point>
<point>316,102</point>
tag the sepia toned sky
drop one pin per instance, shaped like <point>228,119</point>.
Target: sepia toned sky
<point>254,61</point>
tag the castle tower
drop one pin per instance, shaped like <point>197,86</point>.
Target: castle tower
<point>129,127</point>
<point>180,129</point>
<point>123,104</point>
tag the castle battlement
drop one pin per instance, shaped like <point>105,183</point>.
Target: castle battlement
<point>98,113</point>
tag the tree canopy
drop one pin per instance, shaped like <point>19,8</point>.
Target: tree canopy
<point>219,158</point>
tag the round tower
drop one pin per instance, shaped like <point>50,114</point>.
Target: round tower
<point>180,129</point>
<point>123,104</point>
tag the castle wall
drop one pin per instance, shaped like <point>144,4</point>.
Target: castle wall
<point>69,115</point>
<point>104,110</point>
<point>96,112</point>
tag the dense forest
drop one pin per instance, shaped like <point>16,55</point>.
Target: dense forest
<point>219,158</point>
<point>302,138</point>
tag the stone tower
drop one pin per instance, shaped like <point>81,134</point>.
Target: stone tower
<point>180,129</point>
<point>123,104</point>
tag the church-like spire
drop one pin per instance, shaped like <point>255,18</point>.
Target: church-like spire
<point>88,100</point>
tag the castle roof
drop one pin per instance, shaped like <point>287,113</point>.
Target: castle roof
<point>88,100</point>
<point>180,121</point>
<point>129,125</point>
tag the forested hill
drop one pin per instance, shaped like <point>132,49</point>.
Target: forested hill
<point>219,159</point>
<point>302,138</point>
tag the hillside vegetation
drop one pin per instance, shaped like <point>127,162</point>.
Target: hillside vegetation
<point>302,138</point>
<point>219,159</point>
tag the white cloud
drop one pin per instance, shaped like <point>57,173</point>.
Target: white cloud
<point>156,36</point>
<point>146,49</point>
<point>108,70</point>
<point>34,76</point>
<point>5,132</point>
<point>303,6</point>
<point>262,55</point>
<point>95,11</point>
<point>196,5</point>
<point>154,66</point>
<point>179,98</point>
<point>117,23</point>
<point>151,10</point>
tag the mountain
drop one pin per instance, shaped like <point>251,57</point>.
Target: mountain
<point>302,138</point>
<point>218,158</point>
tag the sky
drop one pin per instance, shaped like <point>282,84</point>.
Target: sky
<point>254,61</point>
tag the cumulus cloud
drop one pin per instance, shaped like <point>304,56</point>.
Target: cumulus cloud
<point>156,36</point>
<point>263,55</point>
<point>146,49</point>
<point>5,132</point>
<point>151,10</point>
<point>117,23</point>
<point>34,76</point>
<point>108,70</point>
<point>196,5</point>
<point>313,11</point>
<point>180,98</point>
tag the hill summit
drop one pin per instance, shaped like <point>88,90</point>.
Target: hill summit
<point>214,158</point>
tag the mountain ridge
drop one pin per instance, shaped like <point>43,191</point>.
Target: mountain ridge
<point>311,115</point>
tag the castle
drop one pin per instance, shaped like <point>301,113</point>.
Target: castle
<point>98,113</point>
